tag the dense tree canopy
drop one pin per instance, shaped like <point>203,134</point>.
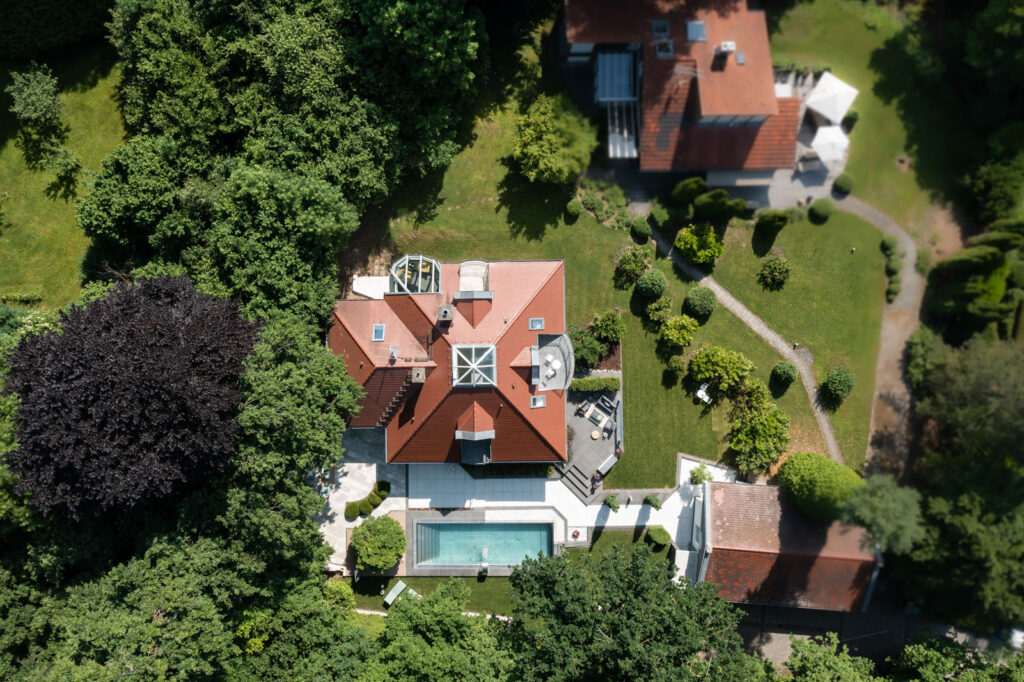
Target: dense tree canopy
<point>134,398</point>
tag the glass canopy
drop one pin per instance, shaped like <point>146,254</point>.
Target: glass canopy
<point>474,366</point>
<point>415,275</point>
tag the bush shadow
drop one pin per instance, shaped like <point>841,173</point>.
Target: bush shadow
<point>763,239</point>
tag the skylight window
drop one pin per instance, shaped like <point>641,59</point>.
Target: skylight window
<point>538,401</point>
<point>696,32</point>
<point>536,324</point>
<point>659,28</point>
<point>474,366</point>
<point>378,332</point>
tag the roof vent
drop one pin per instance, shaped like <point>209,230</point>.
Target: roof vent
<point>445,313</point>
<point>727,46</point>
<point>418,375</point>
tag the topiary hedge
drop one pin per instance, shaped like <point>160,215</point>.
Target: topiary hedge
<point>594,384</point>
<point>574,209</point>
<point>365,508</point>
<point>383,489</point>
<point>658,536</point>
<point>821,210</point>
<point>784,373</point>
<point>612,502</point>
<point>774,273</point>
<point>888,245</point>
<point>379,543</point>
<point>838,384</point>
<point>651,285</point>
<point>843,184</point>
<point>373,499</point>
<point>653,501</point>
<point>700,302</point>
<point>351,510</point>
<point>817,484</point>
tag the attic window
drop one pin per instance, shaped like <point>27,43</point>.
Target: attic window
<point>538,401</point>
<point>474,365</point>
<point>663,48</point>
<point>536,324</point>
<point>378,332</point>
<point>696,32</point>
<point>659,28</point>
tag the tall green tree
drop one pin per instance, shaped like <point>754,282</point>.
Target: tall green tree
<point>891,513</point>
<point>620,615</point>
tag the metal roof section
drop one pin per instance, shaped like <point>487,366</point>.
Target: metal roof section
<point>616,76</point>
<point>416,274</point>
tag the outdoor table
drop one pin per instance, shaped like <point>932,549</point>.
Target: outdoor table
<point>595,434</point>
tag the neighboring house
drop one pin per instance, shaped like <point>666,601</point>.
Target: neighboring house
<point>461,362</point>
<point>761,549</point>
<point>686,86</point>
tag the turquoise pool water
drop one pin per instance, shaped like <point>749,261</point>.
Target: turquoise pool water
<point>472,543</point>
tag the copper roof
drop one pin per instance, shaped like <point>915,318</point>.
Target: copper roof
<point>422,427</point>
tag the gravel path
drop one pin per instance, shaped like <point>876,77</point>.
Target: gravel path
<point>888,447</point>
<point>802,358</point>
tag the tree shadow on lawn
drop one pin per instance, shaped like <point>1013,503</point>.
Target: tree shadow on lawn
<point>762,240</point>
<point>531,207</point>
<point>942,139</point>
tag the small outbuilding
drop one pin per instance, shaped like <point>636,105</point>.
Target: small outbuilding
<point>760,549</point>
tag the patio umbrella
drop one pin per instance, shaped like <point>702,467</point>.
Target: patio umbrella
<point>831,97</point>
<point>831,143</point>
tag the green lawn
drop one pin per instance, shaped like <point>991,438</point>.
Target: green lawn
<point>604,540</point>
<point>486,596</point>
<point>41,246</point>
<point>483,211</point>
<point>862,42</point>
<point>832,304</point>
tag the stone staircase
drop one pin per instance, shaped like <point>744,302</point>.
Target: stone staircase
<point>579,483</point>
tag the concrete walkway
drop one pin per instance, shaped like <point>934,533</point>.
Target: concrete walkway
<point>889,444</point>
<point>801,358</point>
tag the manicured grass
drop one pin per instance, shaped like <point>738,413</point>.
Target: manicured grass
<point>41,245</point>
<point>832,304</point>
<point>862,42</point>
<point>604,540</point>
<point>486,596</point>
<point>373,625</point>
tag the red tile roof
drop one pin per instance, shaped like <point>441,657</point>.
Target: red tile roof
<point>764,550</point>
<point>678,91</point>
<point>423,422</point>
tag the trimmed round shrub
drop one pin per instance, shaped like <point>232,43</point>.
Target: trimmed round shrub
<point>574,209</point>
<point>383,489</point>
<point>660,311</point>
<point>851,118</point>
<point>817,484</point>
<point>651,285</point>
<point>374,499</point>
<point>838,384</point>
<point>700,302</point>
<point>640,229</point>
<point>379,543</point>
<point>893,289</point>
<point>658,536</point>
<point>608,326</point>
<point>893,265</point>
<point>843,184</point>
<point>773,273</point>
<point>653,501</point>
<point>365,508</point>
<point>351,510</point>
<point>784,373</point>
<point>888,245</point>
<point>771,220</point>
<point>821,210</point>
<point>612,502</point>
<point>686,191</point>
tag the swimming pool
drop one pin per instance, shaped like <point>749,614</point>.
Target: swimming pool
<point>461,544</point>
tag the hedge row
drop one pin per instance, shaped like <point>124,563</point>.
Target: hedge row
<point>21,298</point>
<point>591,384</point>
<point>366,505</point>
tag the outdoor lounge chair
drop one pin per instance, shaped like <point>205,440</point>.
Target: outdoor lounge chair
<point>393,594</point>
<point>606,404</point>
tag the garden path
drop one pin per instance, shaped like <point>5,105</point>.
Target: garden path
<point>802,358</point>
<point>889,444</point>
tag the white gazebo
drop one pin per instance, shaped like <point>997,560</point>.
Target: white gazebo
<point>831,144</point>
<point>831,97</point>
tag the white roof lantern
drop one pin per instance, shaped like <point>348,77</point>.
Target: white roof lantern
<point>474,365</point>
<point>831,97</point>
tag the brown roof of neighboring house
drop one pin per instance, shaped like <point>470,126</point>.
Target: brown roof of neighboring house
<point>422,426</point>
<point>760,518</point>
<point>725,86</point>
<point>765,551</point>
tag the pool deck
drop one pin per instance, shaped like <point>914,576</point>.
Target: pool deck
<point>422,491</point>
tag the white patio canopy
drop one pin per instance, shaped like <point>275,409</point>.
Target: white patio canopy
<point>831,97</point>
<point>831,143</point>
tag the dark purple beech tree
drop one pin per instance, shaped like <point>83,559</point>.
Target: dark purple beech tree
<point>135,398</point>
